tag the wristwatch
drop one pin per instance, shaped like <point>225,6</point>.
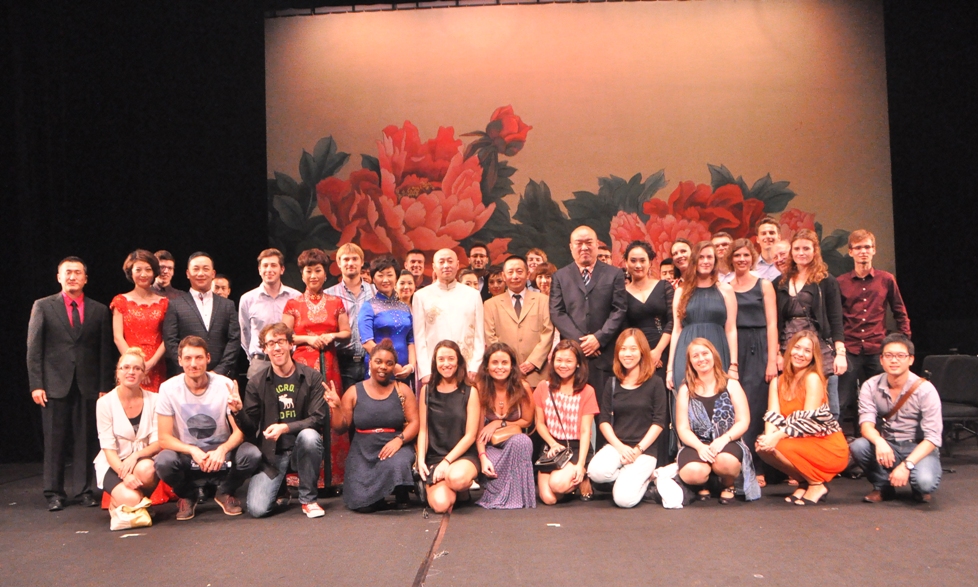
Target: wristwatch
<point>401,436</point>
<point>909,465</point>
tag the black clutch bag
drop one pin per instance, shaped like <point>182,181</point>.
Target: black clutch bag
<point>548,463</point>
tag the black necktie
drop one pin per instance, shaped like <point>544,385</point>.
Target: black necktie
<point>518,305</point>
<point>586,274</point>
<point>75,317</point>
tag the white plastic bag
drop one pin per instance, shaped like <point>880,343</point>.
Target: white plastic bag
<point>669,490</point>
<point>125,517</point>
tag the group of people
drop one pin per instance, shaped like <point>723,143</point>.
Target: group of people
<point>713,369</point>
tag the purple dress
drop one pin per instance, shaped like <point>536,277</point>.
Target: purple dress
<point>513,488</point>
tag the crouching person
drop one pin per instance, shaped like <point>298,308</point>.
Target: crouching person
<point>282,412</point>
<point>199,441</point>
<point>902,426</point>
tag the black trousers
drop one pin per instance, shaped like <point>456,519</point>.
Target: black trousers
<point>352,371</point>
<point>69,420</point>
<point>598,379</point>
<point>861,368</point>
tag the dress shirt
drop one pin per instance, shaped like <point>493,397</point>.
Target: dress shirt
<point>768,271</point>
<point>864,302</point>
<point>259,309</point>
<point>80,300</point>
<point>352,304</point>
<point>205,305</point>
<point>919,417</point>
<point>726,277</point>
<point>512,298</point>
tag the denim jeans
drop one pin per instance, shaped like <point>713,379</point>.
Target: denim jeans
<point>306,457</point>
<point>833,392</point>
<point>925,477</point>
<point>176,470</point>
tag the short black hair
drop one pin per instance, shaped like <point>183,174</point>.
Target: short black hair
<point>199,254</point>
<point>414,252</point>
<point>516,258</point>
<point>224,277</point>
<point>898,338</point>
<point>477,245</point>
<point>384,262</point>
<point>73,259</point>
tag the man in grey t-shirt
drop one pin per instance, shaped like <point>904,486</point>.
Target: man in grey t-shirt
<point>198,438</point>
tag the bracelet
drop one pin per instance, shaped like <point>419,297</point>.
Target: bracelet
<point>482,454</point>
<point>447,461</point>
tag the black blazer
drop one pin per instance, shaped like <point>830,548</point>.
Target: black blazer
<point>597,309</point>
<point>223,339</point>
<point>260,408</point>
<point>56,355</point>
<point>826,311</point>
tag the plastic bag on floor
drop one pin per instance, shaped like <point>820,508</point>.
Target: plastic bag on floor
<point>125,517</point>
<point>669,490</point>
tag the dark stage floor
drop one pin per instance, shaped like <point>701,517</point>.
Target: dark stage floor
<point>843,542</point>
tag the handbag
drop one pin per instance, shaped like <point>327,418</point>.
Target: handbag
<point>125,517</point>
<point>548,463</point>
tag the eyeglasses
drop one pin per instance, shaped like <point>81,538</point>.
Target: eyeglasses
<point>901,356</point>
<point>273,344</point>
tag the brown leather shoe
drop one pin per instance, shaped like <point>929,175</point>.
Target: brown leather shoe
<point>877,495</point>
<point>921,497</point>
<point>229,504</point>
<point>186,508</point>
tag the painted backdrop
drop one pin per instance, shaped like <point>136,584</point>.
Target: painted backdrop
<point>512,125</point>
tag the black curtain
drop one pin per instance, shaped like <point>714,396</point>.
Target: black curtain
<point>141,124</point>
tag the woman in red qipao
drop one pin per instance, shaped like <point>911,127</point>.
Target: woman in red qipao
<point>137,321</point>
<point>319,319</point>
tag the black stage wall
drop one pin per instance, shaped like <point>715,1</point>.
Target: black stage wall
<point>143,125</point>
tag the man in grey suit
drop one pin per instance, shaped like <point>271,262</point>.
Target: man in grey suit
<point>69,363</point>
<point>588,304</point>
<point>199,312</point>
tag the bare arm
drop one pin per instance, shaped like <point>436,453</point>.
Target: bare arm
<point>730,328</point>
<point>677,328</point>
<point>117,333</point>
<point>771,322</point>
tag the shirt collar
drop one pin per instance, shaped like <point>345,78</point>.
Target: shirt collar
<point>870,275</point>
<point>580,269</point>
<point>448,287</point>
<point>207,294</point>
<point>511,293</point>
<point>68,299</point>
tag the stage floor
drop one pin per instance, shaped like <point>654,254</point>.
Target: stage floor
<point>769,542</point>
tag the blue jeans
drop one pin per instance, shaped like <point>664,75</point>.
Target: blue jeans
<point>306,457</point>
<point>833,392</point>
<point>925,477</point>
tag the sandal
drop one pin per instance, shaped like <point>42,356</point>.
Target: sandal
<point>797,494</point>
<point>727,495</point>
<point>821,499</point>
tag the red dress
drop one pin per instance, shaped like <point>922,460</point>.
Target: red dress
<point>142,326</point>
<point>315,315</point>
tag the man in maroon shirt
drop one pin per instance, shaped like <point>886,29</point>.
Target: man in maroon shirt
<point>865,294</point>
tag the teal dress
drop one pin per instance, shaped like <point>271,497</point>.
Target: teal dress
<point>706,317</point>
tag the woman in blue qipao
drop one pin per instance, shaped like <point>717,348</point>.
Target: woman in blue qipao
<point>385,316</point>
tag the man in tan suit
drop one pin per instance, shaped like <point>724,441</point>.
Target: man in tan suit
<point>521,319</point>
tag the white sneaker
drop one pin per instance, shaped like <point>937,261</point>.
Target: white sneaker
<point>312,510</point>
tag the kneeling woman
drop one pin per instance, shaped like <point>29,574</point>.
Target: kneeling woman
<point>505,453</point>
<point>447,458</point>
<point>126,418</point>
<point>384,416</point>
<point>634,411</point>
<point>711,416</point>
<point>801,437</point>
<point>565,410</point>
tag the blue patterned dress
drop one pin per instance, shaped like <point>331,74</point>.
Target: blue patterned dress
<point>383,317</point>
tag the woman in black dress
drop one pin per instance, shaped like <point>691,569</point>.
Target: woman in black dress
<point>757,337</point>
<point>649,303</point>
<point>384,415</point>
<point>808,298</point>
<point>447,459</point>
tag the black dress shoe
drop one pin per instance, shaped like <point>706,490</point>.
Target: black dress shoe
<point>87,501</point>
<point>56,504</point>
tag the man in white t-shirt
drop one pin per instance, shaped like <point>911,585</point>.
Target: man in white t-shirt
<point>198,439</point>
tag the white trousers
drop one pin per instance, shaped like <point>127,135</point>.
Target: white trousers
<point>630,480</point>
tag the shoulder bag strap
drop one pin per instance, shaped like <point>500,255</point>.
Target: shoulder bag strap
<point>903,398</point>
<point>557,411</point>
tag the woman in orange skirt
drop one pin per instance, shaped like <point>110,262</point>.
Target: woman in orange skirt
<point>801,437</point>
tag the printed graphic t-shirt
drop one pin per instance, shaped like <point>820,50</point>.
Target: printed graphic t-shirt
<point>200,420</point>
<point>285,388</point>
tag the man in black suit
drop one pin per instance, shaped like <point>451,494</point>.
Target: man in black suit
<point>69,363</point>
<point>199,312</point>
<point>167,267</point>
<point>587,304</point>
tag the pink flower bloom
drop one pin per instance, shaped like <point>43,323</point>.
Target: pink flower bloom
<point>793,220</point>
<point>660,232</point>
<point>723,210</point>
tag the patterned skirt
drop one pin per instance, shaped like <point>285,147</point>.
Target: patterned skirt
<point>513,487</point>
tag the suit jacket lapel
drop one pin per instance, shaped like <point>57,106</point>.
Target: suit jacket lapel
<point>507,303</point>
<point>189,298</point>
<point>528,303</point>
<point>58,305</point>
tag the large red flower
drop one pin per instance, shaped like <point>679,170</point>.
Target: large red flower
<point>660,232</point>
<point>507,131</point>
<point>793,220</point>
<point>722,210</point>
<point>427,196</point>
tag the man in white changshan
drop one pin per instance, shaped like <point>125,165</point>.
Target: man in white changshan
<point>447,310</point>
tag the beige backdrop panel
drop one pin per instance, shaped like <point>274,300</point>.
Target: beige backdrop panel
<point>796,89</point>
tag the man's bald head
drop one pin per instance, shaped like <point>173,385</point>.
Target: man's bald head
<point>584,245</point>
<point>445,265</point>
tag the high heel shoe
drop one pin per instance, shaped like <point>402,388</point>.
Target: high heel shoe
<point>821,499</point>
<point>727,495</point>
<point>796,494</point>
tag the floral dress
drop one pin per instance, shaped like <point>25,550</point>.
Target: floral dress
<point>142,326</point>
<point>317,314</point>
